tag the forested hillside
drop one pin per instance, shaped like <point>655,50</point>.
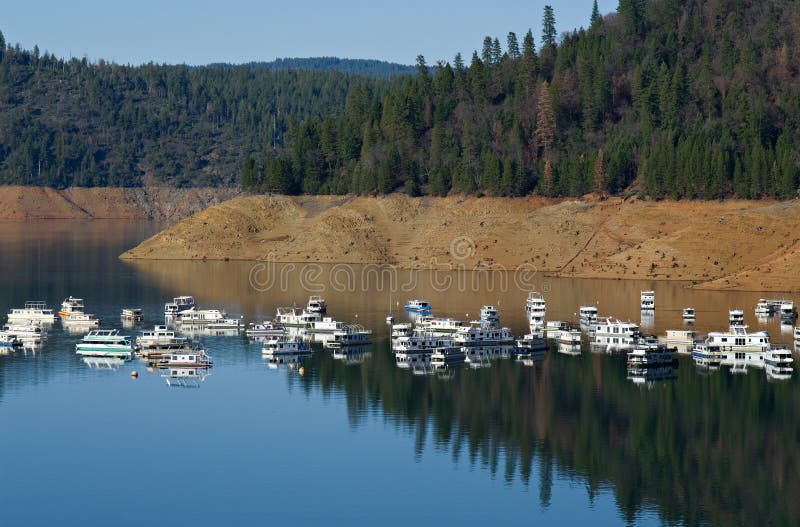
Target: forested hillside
<point>695,98</point>
<point>366,67</point>
<point>75,123</point>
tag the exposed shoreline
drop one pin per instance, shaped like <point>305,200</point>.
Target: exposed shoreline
<point>20,203</point>
<point>730,245</point>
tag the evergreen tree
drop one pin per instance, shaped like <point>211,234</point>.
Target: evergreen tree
<point>549,27</point>
<point>595,19</point>
<point>513,46</point>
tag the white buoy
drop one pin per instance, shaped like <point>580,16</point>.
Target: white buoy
<point>134,374</point>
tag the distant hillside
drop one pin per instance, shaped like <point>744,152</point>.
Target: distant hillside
<point>371,68</point>
<point>73,123</point>
<point>681,99</point>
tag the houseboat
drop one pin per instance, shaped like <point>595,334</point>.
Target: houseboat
<point>295,318</point>
<point>402,329</point>
<point>736,317</point>
<point>650,357</point>
<point>535,309</point>
<point>418,306</point>
<point>189,359</point>
<point>779,364</point>
<point>34,311</point>
<point>9,340</point>
<point>420,343</point>
<point>265,329</point>
<point>614,334</point>
<point>105,343</point>
<point>316,304</point>
<point>349,335</point>
<point>587,314</point>
<point>282,345</point>
<point>531,343</point>
<point>647,300</point>
<point>553,328</point>
<point>688,314</point>
<point>437,325</point>
<point>740,347</point>
<point>178,304</point>
<point>160,341</point>
<point>681,339</point>
<point>478,333</point>
<point>27,334</point>
<point>71,306</point>
<point>132,314</point>
<point>489,315</point>
<point>571,337</point>
<point>707,355</point>
<point>213,319</point>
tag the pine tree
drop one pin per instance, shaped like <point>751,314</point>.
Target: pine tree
<point>497,51</point>
<point>545,120</point>
<point>513,46</point>
<point>595,18</point>
<point>599,175</point>
<point>549,27</point>
<point>486,54</point>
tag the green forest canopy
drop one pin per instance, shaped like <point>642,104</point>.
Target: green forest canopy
<point>681,99</point>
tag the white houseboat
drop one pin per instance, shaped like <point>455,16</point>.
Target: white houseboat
<point>349,335</point>
<point>296,318</point>
<point>535,309</point>
<point>788,311</point>
<point>71,306</point>
<point>34,311</point>
<point>740,347</point>
<point>283,345</point>
<point>418,306</point>
<point>437,325</point>
<point>105,343</point>
<point>614,334</point>
<point>266,328</point>
<point>647,300</point>
<point>736,317</point>
<point>208,318</point>
<point>587,314</point>
<point>482,334</point>
<point>28,334</point>
<point>178,304</point>
<point>650,357</point>
<point>420,343</point>
<point>763,308</point>
<point>688,314</point>
<point>316,304</point>
<point>188,359</point>
<point>490,315</point>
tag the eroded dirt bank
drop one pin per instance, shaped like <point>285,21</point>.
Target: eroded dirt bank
<point>742,245</point>
<point>18,203</point>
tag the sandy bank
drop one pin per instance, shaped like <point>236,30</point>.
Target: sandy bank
<point>743,245</point>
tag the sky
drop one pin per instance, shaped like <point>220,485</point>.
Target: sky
<point>235,31</point>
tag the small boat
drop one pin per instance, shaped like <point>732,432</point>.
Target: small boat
<point>535,309</point>
<point>788,311</point>
<point>681,339</point>
<point>418,306</point>
<point>9,340</point>
<point>178,304</point>
<point>71,306</point>
<point>132,314</point>
<point>449,355</point>
<point>707,355</point>
<point>650,357</point>
<point>489,315</point>
<point>34,311</point>
<point>27,334</point>
<point>763,308</point>
<point>647,300</point>
<point>265,329</point>
<point>570,337</point>
<point>736,317</point>
<point>316,304</point>
<point>283,345</point>
<point>587,314</point>
<point>105,343</point>
<point>190,359</point>
<point>80,320</point>
<point>688,313</point>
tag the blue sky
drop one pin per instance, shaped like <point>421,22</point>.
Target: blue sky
<point>202,31</point>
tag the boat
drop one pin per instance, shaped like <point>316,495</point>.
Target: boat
<point>535,309</point>
<point>647,300</point>
<point>736,317</point>
<point>160,341</point>
<point>688,313</point>
<point>553,328</point>
<point>531,343</point>
<point>265,329</point>
<point>296,318</point>
<point>489,315</point>
<point>788,311</point>
<point>614,334</point>
<point>797,333</point>
<point>80,321</point>
<point>763,308</point>
<point>196,358</point>
<point>316,304</point>
<point>27,334</point>
<point>9,340</point>
<point>105,343</point>
<point>587,314</point>
<point>707,355</point>
<point>437,326</point>
<point>349,335</point>
<point>403,329</point>
<point>132,314</point>
<point>738,346</point>
<point>478,333</point>
<point>418,306</point>
<point>681,339</point>
<point>284,346</point>
<point>34,311</point>
<point>571,337</point>
<point>446,356</point>
<point>650,357</point>
<point>71,306</point>
<point>178,304</point>
<point>780,359</point>
<point>420,343</point>
<point>326,325</point>
<point>210,318</point>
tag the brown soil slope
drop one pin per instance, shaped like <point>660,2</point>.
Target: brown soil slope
<point>18,203</point>
<point>722,245</point>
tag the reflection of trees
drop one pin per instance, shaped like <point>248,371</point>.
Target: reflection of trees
<point>717,449</point>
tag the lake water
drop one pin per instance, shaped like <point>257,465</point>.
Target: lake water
<point>567,440</point>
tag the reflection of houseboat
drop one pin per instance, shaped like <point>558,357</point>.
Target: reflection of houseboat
<point>650,357</point>
<point>650,376</point>
<point>779,363</point>
<point>184,377</point>
<point>445,356</point>
<point>707,355</point>
<point>688,313</point>
<point>736,317</point>
<point>788,311</point>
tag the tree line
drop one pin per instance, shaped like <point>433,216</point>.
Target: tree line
<point>680,99</point>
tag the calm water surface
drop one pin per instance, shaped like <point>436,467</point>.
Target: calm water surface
<point>567,440</point>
